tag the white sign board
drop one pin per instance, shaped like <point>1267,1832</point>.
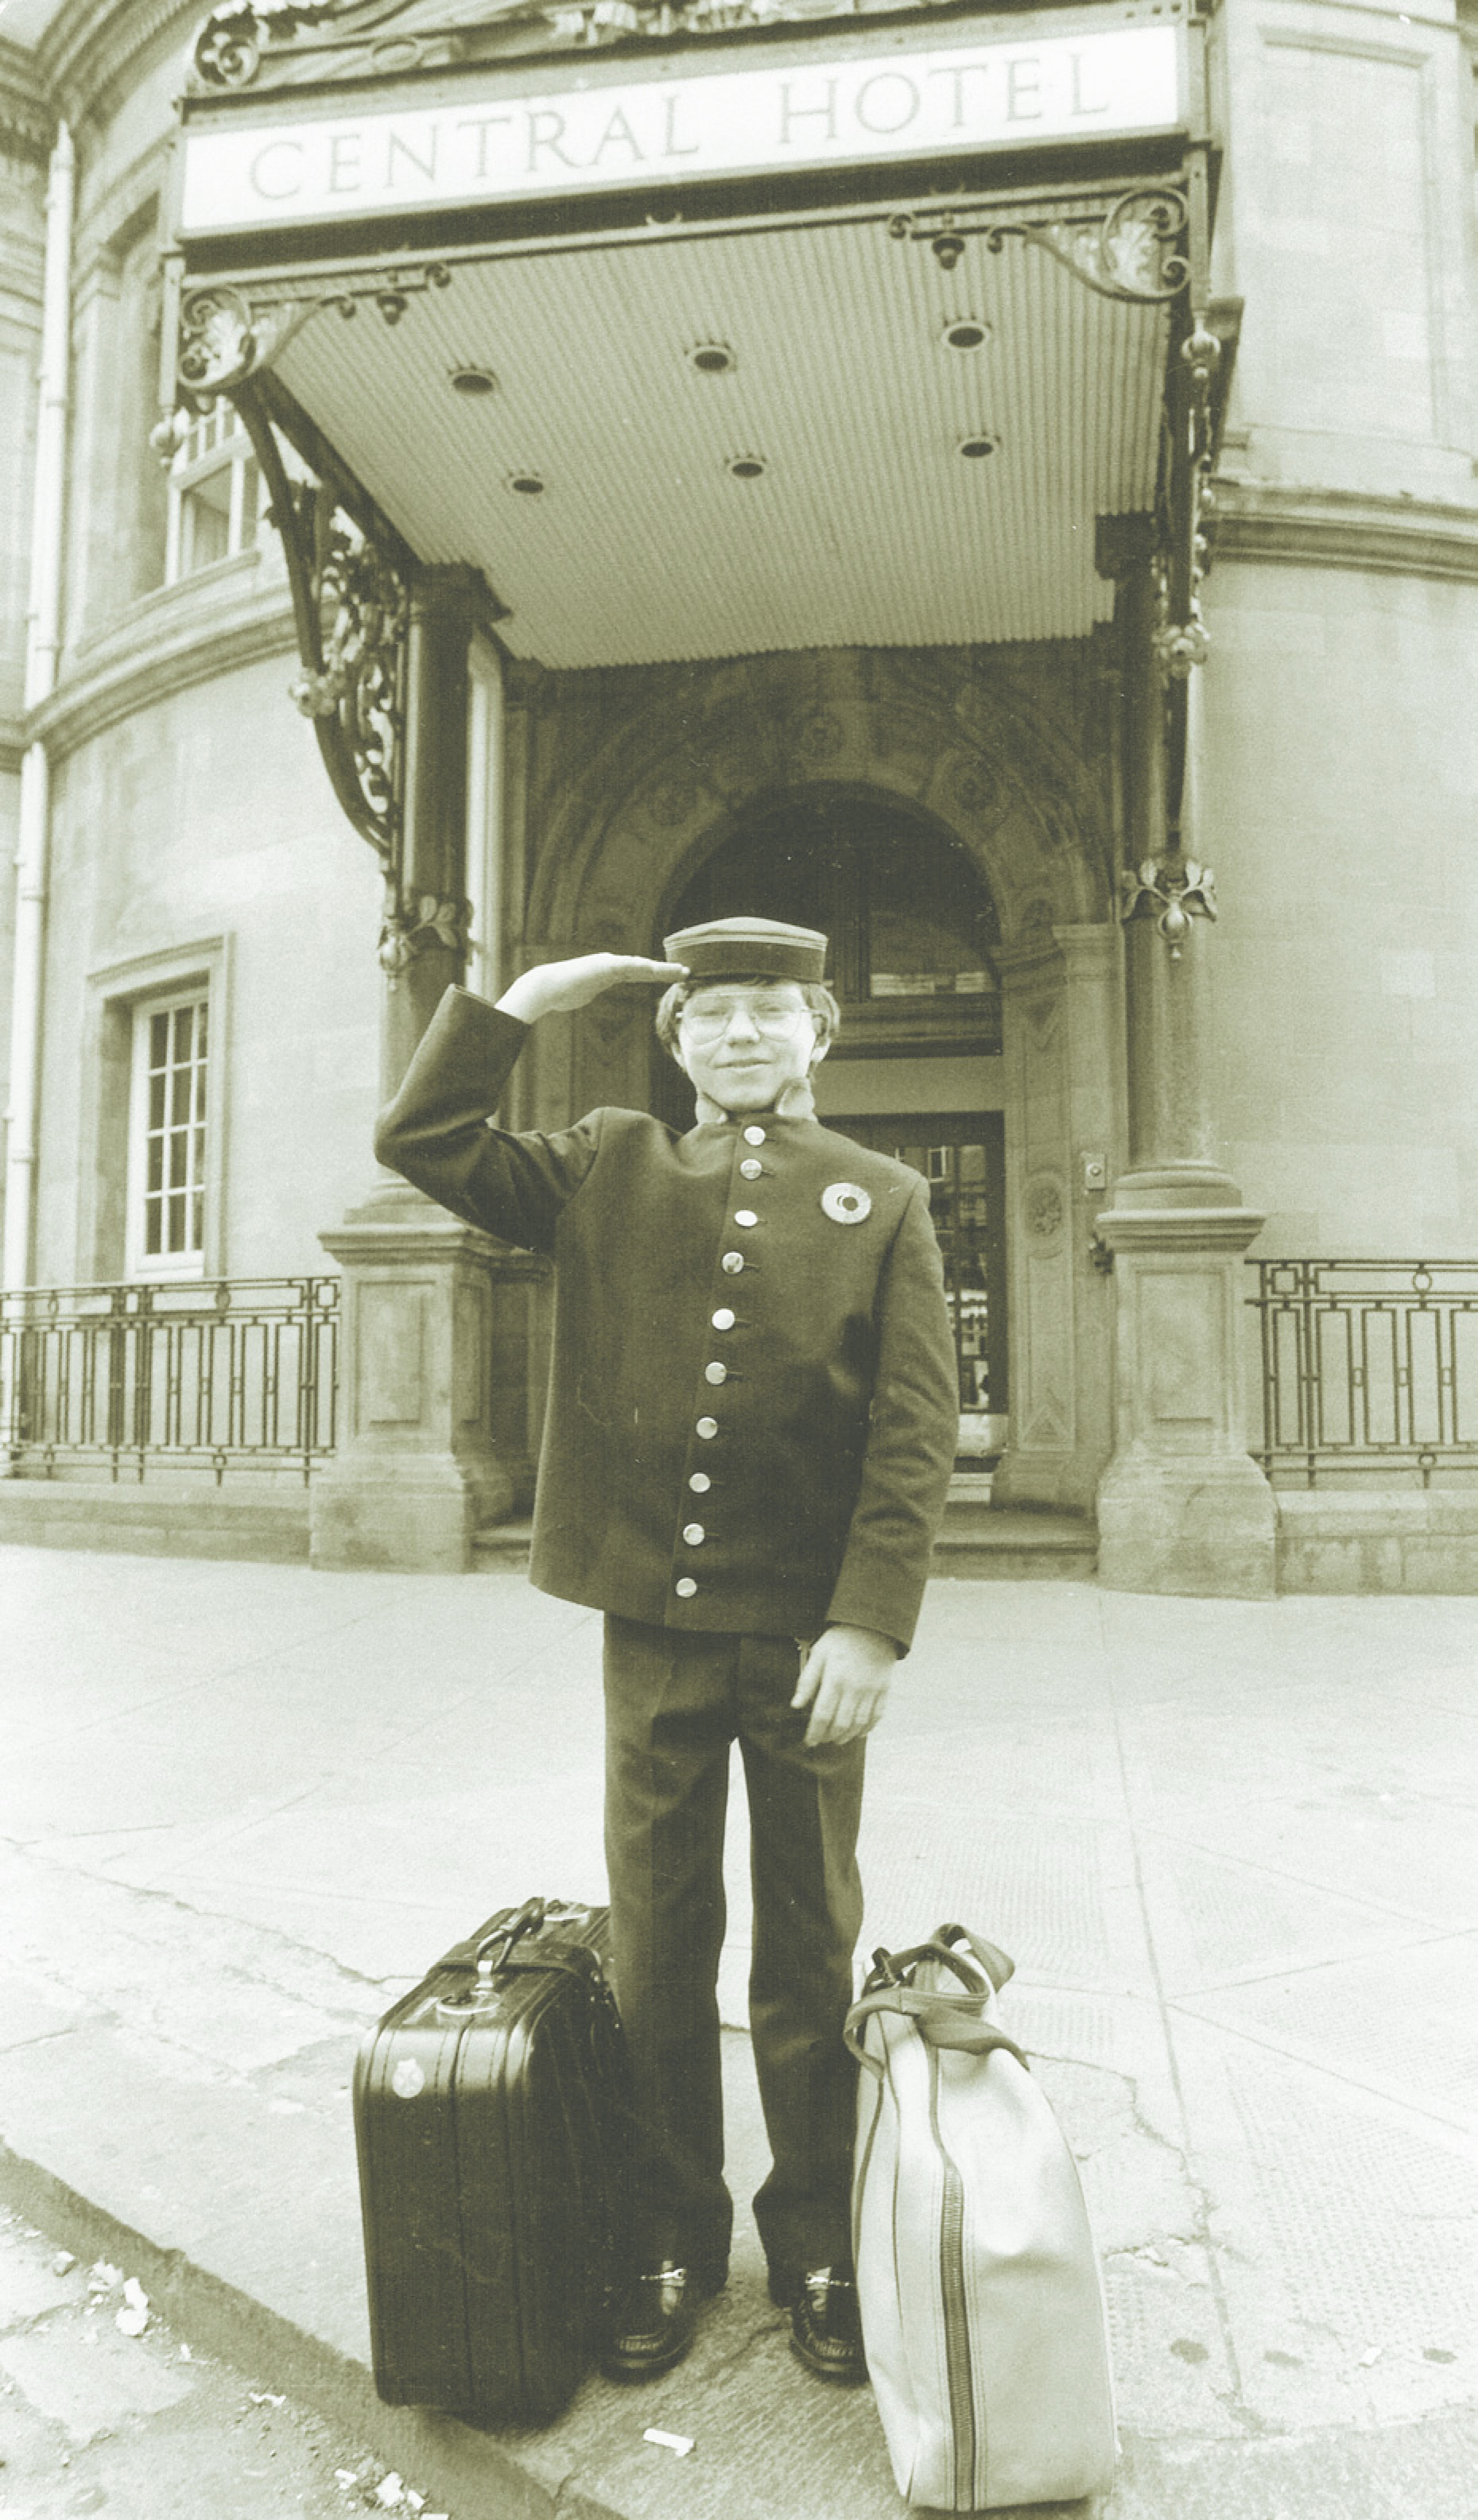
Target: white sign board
<point>592,135</point>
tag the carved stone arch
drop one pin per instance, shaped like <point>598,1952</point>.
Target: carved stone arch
<point>1053,738</point>
<point>708,741</point>
<point>739,817</point>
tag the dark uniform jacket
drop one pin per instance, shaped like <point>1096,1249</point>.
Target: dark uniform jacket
<point>753,1405</point>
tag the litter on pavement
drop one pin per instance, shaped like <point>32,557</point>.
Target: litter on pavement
<point>678,2442</point>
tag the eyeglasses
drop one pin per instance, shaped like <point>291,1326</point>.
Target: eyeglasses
<point>711,1022</point>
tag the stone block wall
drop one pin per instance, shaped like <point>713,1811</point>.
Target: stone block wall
<point>1336,771</point>
<point>202,825</point>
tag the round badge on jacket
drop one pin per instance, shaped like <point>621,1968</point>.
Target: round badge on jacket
<point>845,1202</point>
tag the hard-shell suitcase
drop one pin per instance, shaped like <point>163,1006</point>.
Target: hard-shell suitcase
<point>490,2114</point>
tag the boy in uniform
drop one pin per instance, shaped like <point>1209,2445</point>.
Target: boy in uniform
<point>753,1413</point>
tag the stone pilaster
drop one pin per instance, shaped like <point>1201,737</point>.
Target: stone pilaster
<point>416,1472</point>
<point>1182,1506</point>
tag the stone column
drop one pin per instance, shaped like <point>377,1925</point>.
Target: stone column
<point>1182,1506</point>
<point>416,1473</point>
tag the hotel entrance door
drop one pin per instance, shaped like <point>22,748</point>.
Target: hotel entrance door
<point>961,1156</point>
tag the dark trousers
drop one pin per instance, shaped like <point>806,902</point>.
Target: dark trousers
<point>674,1702</point>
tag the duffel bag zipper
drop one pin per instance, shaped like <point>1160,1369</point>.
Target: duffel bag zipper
<point>959,2377</point>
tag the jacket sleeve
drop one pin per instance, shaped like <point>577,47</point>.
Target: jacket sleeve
<point>911,1441</point>
<point>435,1131</point>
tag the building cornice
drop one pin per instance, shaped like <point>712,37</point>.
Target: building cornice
<point>93,43</point>
<point>27,125</point>
<point>1312,529</point>
<point>165,645</point>
<point>260,45</point>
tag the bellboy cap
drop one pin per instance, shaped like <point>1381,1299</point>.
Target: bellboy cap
<point>744,949</point>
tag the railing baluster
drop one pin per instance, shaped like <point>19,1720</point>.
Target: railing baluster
<point>1362,1367</point>
<point>166,1375</point>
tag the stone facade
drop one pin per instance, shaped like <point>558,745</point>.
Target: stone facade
<point>1332,786</point>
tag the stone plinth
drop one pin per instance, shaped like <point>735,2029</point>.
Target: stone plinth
<point>415,1473</point>
<point>1183,1507</point>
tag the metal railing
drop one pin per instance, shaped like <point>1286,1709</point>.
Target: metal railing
<point>217,1374</point>
<point>1368,1364</point>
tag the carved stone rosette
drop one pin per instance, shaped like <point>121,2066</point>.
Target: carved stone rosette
<point>413,920</point>
<point>1171,895</point>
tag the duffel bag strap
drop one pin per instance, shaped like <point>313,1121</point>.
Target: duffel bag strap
<point>997,1964</point>
<point>895,1969</point>
<point>944,2020</point>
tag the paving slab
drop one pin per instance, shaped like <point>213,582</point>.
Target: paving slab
<point>1230,1844</point>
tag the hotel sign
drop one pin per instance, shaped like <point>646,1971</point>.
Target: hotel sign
<point>591,135</point>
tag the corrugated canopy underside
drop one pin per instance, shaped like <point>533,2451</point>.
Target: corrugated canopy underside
<point>867,527</point>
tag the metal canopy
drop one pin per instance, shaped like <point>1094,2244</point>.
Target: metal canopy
<point>828,367</point>
<point>700,413</point>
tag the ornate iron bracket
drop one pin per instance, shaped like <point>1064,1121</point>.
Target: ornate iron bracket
<point>1150,247</point>
<point>349,573</point>
<point>226,334</point>
<point>1171,895</point>
<point>350,586</point>
<point>1133,250</point>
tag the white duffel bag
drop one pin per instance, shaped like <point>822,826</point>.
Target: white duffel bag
<point>982,2306</point>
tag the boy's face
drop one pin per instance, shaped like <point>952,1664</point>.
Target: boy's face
<point>743,1042</point>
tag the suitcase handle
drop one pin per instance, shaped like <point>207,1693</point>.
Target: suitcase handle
<point>528,1921</point>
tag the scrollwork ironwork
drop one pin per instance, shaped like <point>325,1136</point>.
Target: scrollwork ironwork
<point>1133,250</point>
<point>226,334</point>
<point>243,41</point>
<point>1148,246</point>
<point>357,687</point>
<point>1181,639</point>
<point>351,603</point>
<point>228,51</point>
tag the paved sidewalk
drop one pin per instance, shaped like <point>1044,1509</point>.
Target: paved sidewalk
<point>1231,1845</point>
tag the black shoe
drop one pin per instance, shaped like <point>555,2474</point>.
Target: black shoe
<point>825,2325</point>
<point>655,2324</point>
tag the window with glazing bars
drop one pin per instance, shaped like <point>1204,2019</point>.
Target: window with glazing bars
<point>170,1050</point>
<point>215,495</point>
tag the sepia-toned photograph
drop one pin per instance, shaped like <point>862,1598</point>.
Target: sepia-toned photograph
<point>739,1336</point>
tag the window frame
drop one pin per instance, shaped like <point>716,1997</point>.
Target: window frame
<point>143,1265</point>
<point>106,1236</point>
<point>217,442</point>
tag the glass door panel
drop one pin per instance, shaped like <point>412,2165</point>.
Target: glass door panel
<point>961,1156</point>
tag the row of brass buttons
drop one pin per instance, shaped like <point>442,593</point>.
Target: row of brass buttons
<point>724,1319</point>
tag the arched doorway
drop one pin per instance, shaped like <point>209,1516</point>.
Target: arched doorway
<point>915,964</point>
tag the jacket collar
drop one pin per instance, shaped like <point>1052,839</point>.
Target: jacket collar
<point>796,1103</point>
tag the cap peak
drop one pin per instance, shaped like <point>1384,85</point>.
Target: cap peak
<point>748,948</point>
